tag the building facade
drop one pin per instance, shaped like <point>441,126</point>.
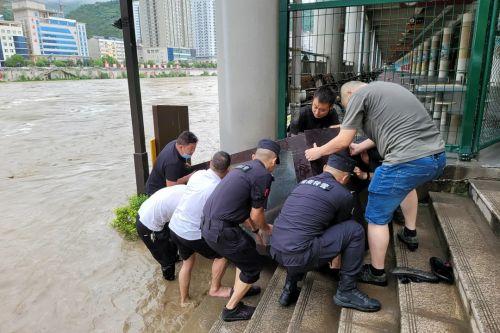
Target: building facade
<point>100,46</point>
<point>204,28</point>
<point>12,41</point>
<point>48,34</point>
<point>137,21</point>
<point>162,55</point>
<point>166,23</point>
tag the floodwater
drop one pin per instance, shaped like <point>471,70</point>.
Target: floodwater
<point>66,163</point>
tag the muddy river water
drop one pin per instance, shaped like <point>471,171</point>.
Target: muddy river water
<point>66,163</point>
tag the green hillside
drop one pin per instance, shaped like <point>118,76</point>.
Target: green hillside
<point>99,18</point>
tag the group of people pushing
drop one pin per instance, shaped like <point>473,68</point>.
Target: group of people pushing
<point>201,212</point>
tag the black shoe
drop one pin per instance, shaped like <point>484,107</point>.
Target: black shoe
<point>442,270</point>
<point>366,276</point>
<point>168,272</point>
<point>356,299</point>
<point>290,294</point>
<point>240,312</point>
<point>254,290</point>
<point>410,241</point>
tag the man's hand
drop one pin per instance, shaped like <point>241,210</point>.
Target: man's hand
<point>360,173</point>
<point>355,149</point>
<point>314,153</point>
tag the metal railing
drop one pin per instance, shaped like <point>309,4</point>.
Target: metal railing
<point>436,49</point>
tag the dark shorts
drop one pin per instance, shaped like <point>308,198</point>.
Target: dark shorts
<point>188,247</point>
<point>239,248</point>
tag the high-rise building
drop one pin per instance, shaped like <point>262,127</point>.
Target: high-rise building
<point>48,33</point>
<point>12,41</point>
<point>204,28</point>
<point>100,46</point>
<point>137,21</point>
<point>166,23</point>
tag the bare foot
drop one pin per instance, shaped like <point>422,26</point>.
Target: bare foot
<point>221,292</point>
<point>189,303</point>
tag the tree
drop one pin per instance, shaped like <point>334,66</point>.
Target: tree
<point>59,63</point>
<point>97,63</point>
<point>15,61</point>
<point>109,59</point>
<point>150,63</point>
<point>42,62</point>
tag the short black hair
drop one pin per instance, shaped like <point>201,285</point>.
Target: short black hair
<point>324,94</point>
<point>186,138</point>
<point>221,161</point>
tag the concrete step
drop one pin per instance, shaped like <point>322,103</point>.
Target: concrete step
<point>315,310</point>
<point>486,195</point>
<point>206,317</point>
<point>427,307</point>
<point>385,320</point>
<point>270,316</point>
<point>474,253</point>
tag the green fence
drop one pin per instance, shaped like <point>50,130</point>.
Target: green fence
<point>439,50</point>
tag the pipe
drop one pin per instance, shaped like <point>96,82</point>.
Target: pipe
<point>425,58</point>
<point>433,55</point>
<point>444,61</point>
<point>463,53</point>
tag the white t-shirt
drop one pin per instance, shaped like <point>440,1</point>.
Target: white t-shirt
<point>186,220</point>
<point>158,208</point>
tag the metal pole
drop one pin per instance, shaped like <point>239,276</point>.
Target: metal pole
<point>296,64</point>
<point>284,19</point>
<point>134,92</point>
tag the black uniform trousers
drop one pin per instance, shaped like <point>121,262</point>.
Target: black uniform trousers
<point>234,244</point>
<point>346,238</point>
<point>158,243</point>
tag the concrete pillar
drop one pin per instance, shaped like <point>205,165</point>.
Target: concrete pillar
<point>463,53</point>
<point>352,36</point>
<point>433,59</point>
<point>444,61</point>
<point>453,131</point>
<point>247,51</point>
<point>366,45</point>
<point>425,58</point>
<point>296,68</point>
<point>373,51</point>
<point>328,38</point>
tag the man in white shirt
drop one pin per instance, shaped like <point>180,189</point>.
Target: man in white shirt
<point>185,227</point>
<point>152,219</point>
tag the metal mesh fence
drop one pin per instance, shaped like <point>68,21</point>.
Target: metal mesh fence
<point>490,129</point>
<point>424,46</point>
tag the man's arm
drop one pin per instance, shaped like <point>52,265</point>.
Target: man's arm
<point>258,220</point>
<point>340,142</point>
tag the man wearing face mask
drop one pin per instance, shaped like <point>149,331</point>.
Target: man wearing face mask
<point>171,167</point>
<point>241,197</point>
<point>320,114</point>
<point>314,227</point>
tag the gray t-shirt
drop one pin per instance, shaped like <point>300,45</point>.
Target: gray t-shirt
<point>395,120</point>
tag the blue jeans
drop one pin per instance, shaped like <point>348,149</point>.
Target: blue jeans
<point>392,183</point>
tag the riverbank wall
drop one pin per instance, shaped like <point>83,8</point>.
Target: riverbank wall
<point>86,73</point>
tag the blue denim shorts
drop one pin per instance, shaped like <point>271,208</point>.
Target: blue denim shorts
<point>392,183</point>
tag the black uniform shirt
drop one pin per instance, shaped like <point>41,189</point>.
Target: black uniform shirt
<point>170,165</point>
<point>313,206</point>
<point>308,121</point>
<point>246,186</point>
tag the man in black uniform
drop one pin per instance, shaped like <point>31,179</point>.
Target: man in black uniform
<point>315,226</point>
<point>171,167</point>
<point>321,114</point>
<point>241,197</point>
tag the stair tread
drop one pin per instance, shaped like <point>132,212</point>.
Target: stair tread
<point>426,307</point>
<point>315,310</point>
<point>269,309</point>
<point>488,192</point>
<point>385,320</point>
<point>217,325</point>
<point>474,252</point>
